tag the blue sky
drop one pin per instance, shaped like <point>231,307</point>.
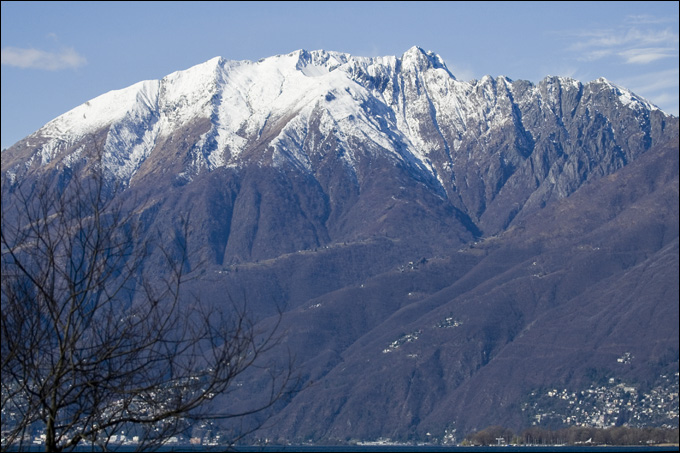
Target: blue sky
<point>58,55</point>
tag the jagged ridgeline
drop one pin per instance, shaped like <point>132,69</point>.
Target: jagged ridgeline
<point>447,252</point>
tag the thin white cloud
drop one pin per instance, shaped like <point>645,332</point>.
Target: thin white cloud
<point>648,19</point>
<point>647,55</point>
<point>654,81</point>
<point>624,36</point>
<point>594,55</point>
<point>66,58</point>
<point>641,43</point>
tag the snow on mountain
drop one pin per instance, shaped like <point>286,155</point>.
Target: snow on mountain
<point>390,104</point>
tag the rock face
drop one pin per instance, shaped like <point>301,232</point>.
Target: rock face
<point>443,248</point>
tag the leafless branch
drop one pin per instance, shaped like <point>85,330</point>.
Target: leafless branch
<point>94,343</point>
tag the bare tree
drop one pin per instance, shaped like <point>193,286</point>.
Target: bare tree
<point>96,343</point>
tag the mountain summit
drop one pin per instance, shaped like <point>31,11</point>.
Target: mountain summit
<point>446,250</point>
<point>282,111</point>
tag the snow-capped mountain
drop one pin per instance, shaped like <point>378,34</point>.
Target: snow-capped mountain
<point>292,110</point>
<point>445,250</point>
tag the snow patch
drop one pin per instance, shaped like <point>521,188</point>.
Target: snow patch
<point>626,97</point>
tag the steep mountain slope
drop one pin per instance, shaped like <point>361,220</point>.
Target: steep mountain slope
<point>442,248</point>
<point>526,314</point>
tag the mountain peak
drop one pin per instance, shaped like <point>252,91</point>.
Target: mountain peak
<point>317,62</point>
<point>419,59</point>
<point>625,96</point>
